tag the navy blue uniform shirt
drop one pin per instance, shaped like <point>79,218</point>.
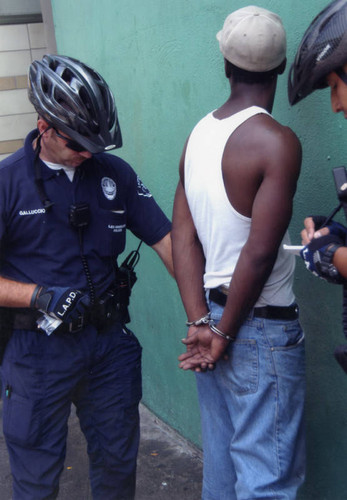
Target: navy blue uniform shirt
<point>40,246</point>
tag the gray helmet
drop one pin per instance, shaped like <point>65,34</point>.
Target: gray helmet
<point>75,99</point>
<point>323,49</point>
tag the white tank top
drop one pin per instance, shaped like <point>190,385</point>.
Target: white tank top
<point>215,218</point>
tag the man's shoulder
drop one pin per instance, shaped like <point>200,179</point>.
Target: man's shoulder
<point>265,132</point>
<point>275,136</point>
<point>266,146</point>
<point>268,121</point>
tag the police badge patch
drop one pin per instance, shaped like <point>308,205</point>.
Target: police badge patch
<point>142,190</point>
<point>109,188</point>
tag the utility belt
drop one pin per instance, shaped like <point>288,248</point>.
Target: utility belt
<point>111,307</point>
<point>289,313</point>
<point>101,315</point>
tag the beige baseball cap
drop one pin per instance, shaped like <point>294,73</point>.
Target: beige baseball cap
<point>253,39</point>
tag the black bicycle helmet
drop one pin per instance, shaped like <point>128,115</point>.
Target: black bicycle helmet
<point>323,49</point>
<point>75,99</point>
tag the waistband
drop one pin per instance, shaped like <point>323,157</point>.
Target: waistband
<point>100,316</point>
<point>26,320</point>
<point>266,312</point>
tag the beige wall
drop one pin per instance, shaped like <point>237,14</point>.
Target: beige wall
<point>20,44</point>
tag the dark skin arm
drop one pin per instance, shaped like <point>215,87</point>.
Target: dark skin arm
<point>260,175</point>
<point>187,249</point>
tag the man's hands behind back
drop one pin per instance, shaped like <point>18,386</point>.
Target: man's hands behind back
<point>204,349</point>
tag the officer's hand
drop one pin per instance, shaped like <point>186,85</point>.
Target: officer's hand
<point>312,228</point>
<point>318,256</point>
<point>66,304</point>
<point>337,229</point>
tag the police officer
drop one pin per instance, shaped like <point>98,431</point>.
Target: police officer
<point>65,205</point>
<point>321,61</point>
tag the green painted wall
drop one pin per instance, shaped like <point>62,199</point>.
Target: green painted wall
<point>162,61</point>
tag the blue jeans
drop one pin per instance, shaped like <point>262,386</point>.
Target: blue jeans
<point>252,414</point>
<point>42,376</point>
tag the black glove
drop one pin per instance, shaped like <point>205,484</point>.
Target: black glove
<point>318,256</point>
<point>66,304</point>
<point>337,229</point>
<point>334,227</point>
<point>318,221</point>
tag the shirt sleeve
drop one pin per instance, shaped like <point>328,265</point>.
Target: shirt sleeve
<point>145,218</point>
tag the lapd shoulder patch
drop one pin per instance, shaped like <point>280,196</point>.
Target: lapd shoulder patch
<point>142,190</point>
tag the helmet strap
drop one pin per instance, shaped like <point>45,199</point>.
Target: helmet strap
<point>46,202</point>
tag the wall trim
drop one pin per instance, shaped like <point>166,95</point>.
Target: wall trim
<point>21,19</point>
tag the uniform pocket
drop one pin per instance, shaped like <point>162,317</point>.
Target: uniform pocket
<point>20,421</point>
<point>111,229</point>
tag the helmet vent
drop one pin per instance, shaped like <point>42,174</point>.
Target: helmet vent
<point>85,99</point>
<point>322,50</point>
<point>66,75</point>
<point>76,100</point>
<point>45,85</point>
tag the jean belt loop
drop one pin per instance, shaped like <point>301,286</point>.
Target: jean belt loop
<point>251,314</point>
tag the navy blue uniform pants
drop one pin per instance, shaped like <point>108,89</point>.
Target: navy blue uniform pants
<point>42,375</point>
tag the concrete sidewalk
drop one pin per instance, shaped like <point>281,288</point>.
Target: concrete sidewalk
<point>169,468</point>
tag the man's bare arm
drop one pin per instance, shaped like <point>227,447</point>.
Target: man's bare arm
<point>15,294</point>
<point>340,261</point>
<point>189,264</point>
<point>271,214</point>
<point>188,257</point>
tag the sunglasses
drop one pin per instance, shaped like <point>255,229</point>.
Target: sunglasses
<point>70,143</point>
<point>340,72</point>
